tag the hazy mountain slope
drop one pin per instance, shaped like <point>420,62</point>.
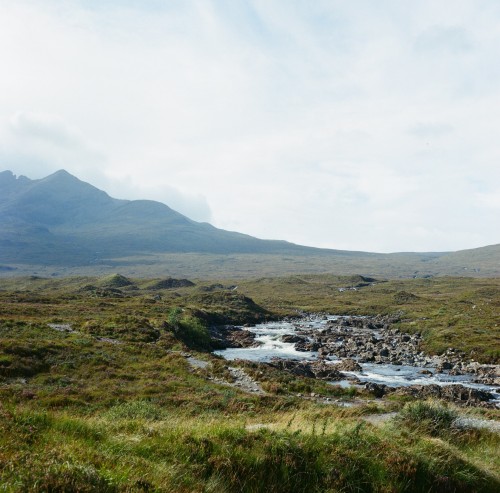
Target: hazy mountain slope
<point>476,261</point>
<point>62,220</point>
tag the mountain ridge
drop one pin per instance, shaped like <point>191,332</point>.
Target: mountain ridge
<point>62,221</point>
<point>66,209</point>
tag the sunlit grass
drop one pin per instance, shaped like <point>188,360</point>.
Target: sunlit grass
<point>79,413</point>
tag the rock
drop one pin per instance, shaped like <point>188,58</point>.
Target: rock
<point>318,369</point>
<point>366,356</point>
<point>292,338</point>
<point>307,346</point>
<point>444,365</point>
<point>453,393</point>
<point>325,371</point>
<point>377,389</point>
<point>324,351</point>
<point>299,368</point>
<point>348,364</point>
<point>231,337</point>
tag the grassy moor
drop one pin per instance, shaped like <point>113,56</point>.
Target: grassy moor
<point>109,384</point>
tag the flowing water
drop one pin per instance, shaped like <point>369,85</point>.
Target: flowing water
<point>268,336</point>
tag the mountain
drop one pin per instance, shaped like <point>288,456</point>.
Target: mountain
<point>62,220</point>
<point>62,225</point>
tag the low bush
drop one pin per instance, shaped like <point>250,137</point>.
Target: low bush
<point>428,417</point>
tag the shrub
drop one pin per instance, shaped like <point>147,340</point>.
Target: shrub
<point>427,417</point>
<point>194,334</point>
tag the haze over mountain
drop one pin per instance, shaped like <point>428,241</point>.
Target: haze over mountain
<point>61,221</point>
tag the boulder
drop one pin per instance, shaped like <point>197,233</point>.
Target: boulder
<point>231,337</point>
<point>348,364</point>
<point>326,371</point>
<point>453,393</point>
<point>377,389</point>
<point>292,338</point>
<point>307,346</point>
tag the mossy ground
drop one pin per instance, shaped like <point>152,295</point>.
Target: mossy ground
<point>115,405</point>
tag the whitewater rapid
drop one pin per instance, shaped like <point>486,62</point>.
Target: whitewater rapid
<point>269,346</point>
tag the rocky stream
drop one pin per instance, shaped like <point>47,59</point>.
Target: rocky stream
<point>362,351</point>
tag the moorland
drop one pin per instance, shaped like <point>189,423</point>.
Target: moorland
<point>110,384</point>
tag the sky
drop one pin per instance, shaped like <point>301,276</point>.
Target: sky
<point>355,125</point>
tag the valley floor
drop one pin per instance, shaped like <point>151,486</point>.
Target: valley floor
<point>110,384</point>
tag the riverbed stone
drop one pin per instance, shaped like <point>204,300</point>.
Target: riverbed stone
<point>348,364</point>
<point>371,339</point>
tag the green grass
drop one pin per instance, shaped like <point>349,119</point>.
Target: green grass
<point>128,413</point>
<point>75,455</point>
<point>430,418</point>
<point>140,449</point>
<point>480,262</point>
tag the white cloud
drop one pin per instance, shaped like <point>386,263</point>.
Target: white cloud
<point>360,125</point>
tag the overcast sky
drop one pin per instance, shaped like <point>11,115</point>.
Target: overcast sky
<point>353,124</point>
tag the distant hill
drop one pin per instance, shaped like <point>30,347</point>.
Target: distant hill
<point>62,220</point>
<point>61,225</point>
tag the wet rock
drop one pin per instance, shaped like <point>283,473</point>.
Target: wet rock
<point>367,357</point>
<point>326,371</point>
<point>318,369</point>
<point>228,336</point>
<point>443,366</point>
<point>307,346</point>
<point>348,364</point>
<point>299,368</point>
<point>324,352</point>
<point>292,338</point>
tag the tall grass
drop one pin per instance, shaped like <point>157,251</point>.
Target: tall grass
<point>427,417</point>
<point>129,449</point>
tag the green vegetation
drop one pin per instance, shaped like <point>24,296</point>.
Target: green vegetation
<point>431,418</point>
<point>139,449</point>
<point>99,392</point>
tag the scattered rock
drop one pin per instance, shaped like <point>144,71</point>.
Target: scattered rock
<point>454,393</point>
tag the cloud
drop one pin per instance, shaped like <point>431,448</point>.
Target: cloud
<point>192,205</point>
<point>49,128</point>
<point>43,143</point>
<point>359,125</point>
<point>449,39</point>
<point>430,130</point>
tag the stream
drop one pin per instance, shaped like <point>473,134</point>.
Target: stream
<point>268,346</point>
